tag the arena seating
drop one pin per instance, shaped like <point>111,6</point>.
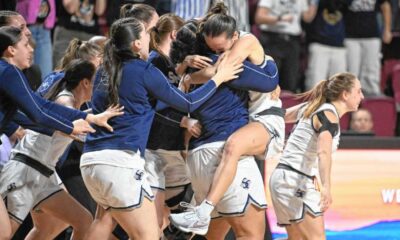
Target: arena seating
<point>383,110</point>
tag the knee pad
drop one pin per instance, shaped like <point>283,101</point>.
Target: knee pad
<point>173,233</point>
<point>120,233</point>
<point>185,196</point>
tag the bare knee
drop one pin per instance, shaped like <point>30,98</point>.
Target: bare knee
<point>255,233</point>
<point>294,234</point>
<point>231,149</point>
<point>83,221</point>
<point>250,226</point>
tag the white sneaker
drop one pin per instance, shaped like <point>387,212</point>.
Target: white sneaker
<point>190,221</point>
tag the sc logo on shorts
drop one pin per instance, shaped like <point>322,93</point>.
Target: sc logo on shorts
<point>139,175</point>
<point>245,183</point>
<point>11,187</point>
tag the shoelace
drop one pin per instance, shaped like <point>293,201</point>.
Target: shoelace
<point>191,211</point>
<point>187,205</point>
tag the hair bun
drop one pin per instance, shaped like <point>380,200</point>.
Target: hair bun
<point>219,8</point>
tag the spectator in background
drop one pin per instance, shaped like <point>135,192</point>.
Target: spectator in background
<point>40,16</point>
<point>11,18</point>
<point>14,19</point>
<point>239,10</point>
<point>327,54</point>
<point>392,50</point>
<point>363,41</point>
<point>76,19</point>
<point>189,9</point>
<point>279,21</point>
<point>361,122</point>
<point>113,7</point>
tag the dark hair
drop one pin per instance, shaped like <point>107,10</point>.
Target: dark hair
<point>217,22</point>
<point>120,22</point>
<point>9,36</point>
<point>79,49</point>
<point>185,43</point>
<point>165,25</point>
<point>118,50</point>
<point>140,11</point>
<point>75,72</point>
<point>5,16</point>
<point>327,91</point>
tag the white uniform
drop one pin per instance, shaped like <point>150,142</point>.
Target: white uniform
<point>24,185</point>
<point>292,183</point>
<point>270,114</point>
<point>268,111</point>
<point>247,186</point>
<point>116,178</point>
<point>166,170</point>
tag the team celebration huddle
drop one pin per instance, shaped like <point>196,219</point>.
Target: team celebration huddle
<point>173,116</point>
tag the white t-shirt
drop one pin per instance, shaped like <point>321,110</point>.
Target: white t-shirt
<point>281,7</point>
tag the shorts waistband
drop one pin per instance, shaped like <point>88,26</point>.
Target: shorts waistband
<point>38,166</point>
<point>289,168</point>
<point>273,111</point>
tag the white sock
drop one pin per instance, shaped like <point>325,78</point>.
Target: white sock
<point>205,208</point>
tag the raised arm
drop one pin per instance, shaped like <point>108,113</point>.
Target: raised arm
<point>159,86</point>
<point>263,78</point>
<point>247,47</point>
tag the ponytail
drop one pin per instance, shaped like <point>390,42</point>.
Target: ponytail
<point>113,68</point>
<point>140,11</point>
<point>155,39</point>
<point>315,97</point>
<point>56,89</point>
<point>185,43</point>
<point>123,12</point>
<point>70,53</point>
<point>218,8</point>
<point>117,50</point>
<point>78,49</point>
<point>165,26</point>
<point>75,72</point>
<point>327,91</point>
